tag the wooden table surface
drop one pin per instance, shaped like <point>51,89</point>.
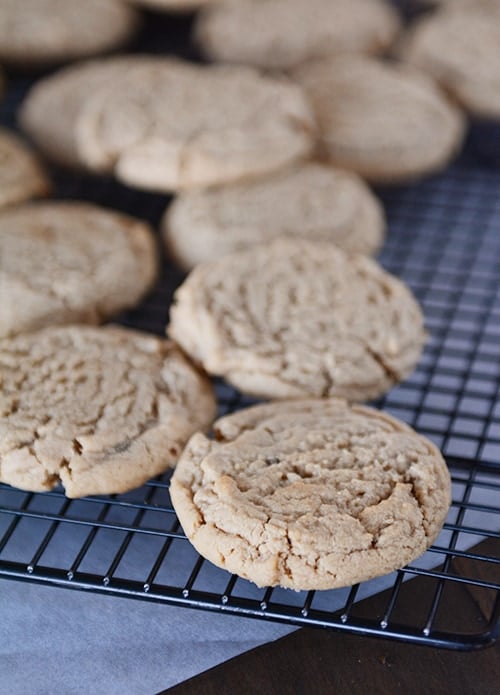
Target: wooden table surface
<point>317,662</point>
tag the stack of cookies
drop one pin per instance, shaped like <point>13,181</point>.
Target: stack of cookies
<point>270,151</point>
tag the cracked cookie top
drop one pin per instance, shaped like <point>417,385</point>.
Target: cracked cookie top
<point>68,262</point>
<point>161,123</point>
<point>281,34</point>
<point>167,124</point>
<point>52,105</point>
<point>296,318</point>
<point>21,174</point>
<point>100,410</point>
<point>386,121</point>
<point>312,201</point>
<point>469,68</point>
<point>312,494</point>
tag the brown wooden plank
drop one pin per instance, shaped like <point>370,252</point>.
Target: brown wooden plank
<point>314,661</point>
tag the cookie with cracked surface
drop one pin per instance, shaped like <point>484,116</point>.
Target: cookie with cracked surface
<point>312,201</point>
<point>21,175</point>
<point>51,108</point>
<point>311,494</point>
<point>469,69</point>
<point>68,262</point>
<point>36,32</point>
<point>282,34</point>
<point>171,125</point>
<point>101,410</point>
<point>296,318</point>
<point>412,129</point>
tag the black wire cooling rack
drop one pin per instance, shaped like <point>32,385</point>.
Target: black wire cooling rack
<point>444,241</point>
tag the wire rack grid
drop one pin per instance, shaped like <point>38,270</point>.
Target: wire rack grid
<point>444,241</point>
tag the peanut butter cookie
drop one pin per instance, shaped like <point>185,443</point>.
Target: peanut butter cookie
<point>311,201</point>
<point>295,318</point>
<point>311,494</point>
<point>100,410</point>
<point>68,262</point>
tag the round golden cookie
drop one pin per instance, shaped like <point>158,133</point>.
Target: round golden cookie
<point>68,262</point>
<point>311,494</point>
<point>169,125</point>
<point>311,201</point>
<point>52,106</point>
<point>21,174</point>
<point>385,121</point>
<point>285,33</point>
<point>295,318</point>
<point>47,31</point>
<point>101,410</point>
<point>469,68</point>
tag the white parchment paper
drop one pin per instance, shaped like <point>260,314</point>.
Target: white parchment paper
<point>56,641</point>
